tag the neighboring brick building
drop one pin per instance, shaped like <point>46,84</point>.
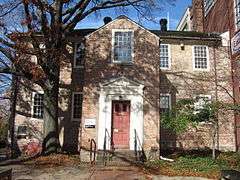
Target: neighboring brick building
<point>220,16</point>
<point>217,16</point>
<point>116,84</point>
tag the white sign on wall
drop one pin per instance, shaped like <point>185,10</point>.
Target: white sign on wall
<point>235,43</point>
<point>90,123</point>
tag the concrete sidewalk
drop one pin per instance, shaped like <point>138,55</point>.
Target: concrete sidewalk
<point>22,172</point>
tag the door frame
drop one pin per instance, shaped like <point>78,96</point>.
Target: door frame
<point>120,89</point>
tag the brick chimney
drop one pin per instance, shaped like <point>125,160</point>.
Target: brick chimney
<point>163,24</point>
<point>197,14</point>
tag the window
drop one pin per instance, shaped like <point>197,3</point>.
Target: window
<point>22,130</point>
<point>237,9</point>
<point>77,99</point>
<point>200,54</point>
<point>165,103</point>
<point>164,56</point>
<point>201,101</point>
<point>79,54</point>
<point>208,4</point>
<point>122,46</point>
<point>38,105</point>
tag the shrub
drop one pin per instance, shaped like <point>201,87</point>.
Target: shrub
<point>231,158</point>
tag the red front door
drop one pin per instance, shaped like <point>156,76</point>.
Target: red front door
<point>120,124</point>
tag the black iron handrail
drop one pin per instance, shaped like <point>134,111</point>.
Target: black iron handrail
<point>106,137</point>
<point>93,149</point>
<point>138,154</point>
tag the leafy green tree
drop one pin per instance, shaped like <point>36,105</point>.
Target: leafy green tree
<point>185,114</point>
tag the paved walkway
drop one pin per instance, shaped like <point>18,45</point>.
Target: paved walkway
<point>21,172</point>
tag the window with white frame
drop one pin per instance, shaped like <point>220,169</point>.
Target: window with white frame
<point>237,11</point>
<point>122,46</point>
<point>165,103</point>
<point>79,54</point>
<point>200,54</point>
<point>77,98</point>
<point>201,101</point>
<point>208,4</point>
<point>38,105</point>
<point>164,56</point>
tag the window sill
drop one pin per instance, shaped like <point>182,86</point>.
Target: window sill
<point>123,63</point>
<point>165,69</point>
<point>201,70</point>
<point>36,119</point>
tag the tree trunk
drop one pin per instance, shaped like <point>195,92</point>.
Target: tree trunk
<point>14,147</point>
<point>51,92</point>
<point>51,139</point>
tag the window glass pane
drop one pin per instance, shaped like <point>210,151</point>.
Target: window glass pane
<point>77,106</point>
<point>117,108</point>
<point>22,130</point>
<point>164,56</point>
<point>164,103</point>
<point>38,105</point>
<point>79,54</point>
<point>200,57</point>
<point>124,108</point>
<point>123,46</point>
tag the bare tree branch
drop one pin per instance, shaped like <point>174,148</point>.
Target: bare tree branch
<point>10,10</point>
<point>104,5</point>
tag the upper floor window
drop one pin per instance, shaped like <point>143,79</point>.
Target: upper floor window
<point>237,9</point>
<point>122,46</point>
<point>208,4</point>
<point>38,105</point>
<point>200,58</point>
<point>165,103</point>
<point>79,54</point>
<point>164,56</point>
<point>77,98</point>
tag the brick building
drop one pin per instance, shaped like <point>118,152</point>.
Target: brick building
<point>223,17</point>
<point>121,76</point>
<point>212,16</point>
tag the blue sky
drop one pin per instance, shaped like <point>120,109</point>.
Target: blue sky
<point>175,13</point>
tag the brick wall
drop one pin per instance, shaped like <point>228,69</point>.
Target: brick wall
<point>197,15</point>
<point>183,82</point>
<point>221,17</point>
<point>99,68</point>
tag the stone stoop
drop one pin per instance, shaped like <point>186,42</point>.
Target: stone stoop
<point>119,157</point>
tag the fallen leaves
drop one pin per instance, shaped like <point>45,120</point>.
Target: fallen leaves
<point>54,160</point>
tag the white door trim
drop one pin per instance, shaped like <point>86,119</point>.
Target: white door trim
<point>111,92</point>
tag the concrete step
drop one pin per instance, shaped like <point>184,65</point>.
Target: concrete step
<point>119,157</point>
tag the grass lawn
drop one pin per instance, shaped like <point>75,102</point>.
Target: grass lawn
<point>196,163</point>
